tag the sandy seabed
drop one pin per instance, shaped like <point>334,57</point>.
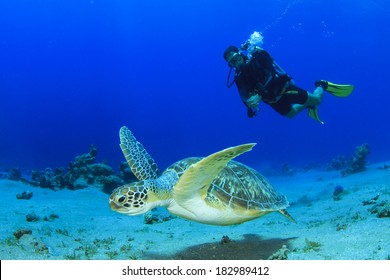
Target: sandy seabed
<point>80,225</point>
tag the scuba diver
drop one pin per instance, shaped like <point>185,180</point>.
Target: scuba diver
<point>259,78</point>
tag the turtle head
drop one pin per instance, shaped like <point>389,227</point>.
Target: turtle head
<point>133,199</point>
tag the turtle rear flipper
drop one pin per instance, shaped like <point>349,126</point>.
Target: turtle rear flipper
<point>140,162</point>
<point>287,215</point>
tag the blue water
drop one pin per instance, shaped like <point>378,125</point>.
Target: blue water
<point>73,72</point>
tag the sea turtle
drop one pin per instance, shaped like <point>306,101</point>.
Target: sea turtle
<point>213,190</point>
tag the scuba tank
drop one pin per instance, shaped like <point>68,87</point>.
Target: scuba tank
<point>254,44</point>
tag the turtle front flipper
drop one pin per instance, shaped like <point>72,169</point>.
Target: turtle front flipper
<point>194,182</point>
<point>140,162</point>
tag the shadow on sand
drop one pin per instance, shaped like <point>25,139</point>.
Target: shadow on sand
<point>252,247</point>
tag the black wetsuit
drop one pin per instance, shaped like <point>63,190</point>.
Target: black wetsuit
<point>259,76</point>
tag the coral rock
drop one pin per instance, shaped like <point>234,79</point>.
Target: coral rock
<point>24,195</point>
<point>20,232</point>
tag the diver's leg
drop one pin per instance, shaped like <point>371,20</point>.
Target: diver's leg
<point>299,99</point>
<point>315,98</point>
<point>295,109</point>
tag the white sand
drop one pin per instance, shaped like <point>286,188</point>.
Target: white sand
<point>88,229</point>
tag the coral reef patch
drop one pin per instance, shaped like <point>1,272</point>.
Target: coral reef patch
<point>356,163</point>
<point>338,193</point>
<point>24,195</point>
<point>82,172</point>
<point>20,232</point>
<point>32,217</point>
<point>379,208</point>
<point>281,254</point>
<point>154,216</point>
<point>311,246</point>
<point>15,174</point>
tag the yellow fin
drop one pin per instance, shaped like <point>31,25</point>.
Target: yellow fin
<point>339,90</point>
<point>313,113</point>
<point>194,182</point>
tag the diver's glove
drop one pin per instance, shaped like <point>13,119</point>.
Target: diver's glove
<point>253,105</point>
<point>254,101</point>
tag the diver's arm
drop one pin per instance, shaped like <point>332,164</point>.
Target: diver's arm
<point>244,93</point>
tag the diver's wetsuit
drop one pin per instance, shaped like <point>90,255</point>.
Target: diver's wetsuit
<point>260,76</point>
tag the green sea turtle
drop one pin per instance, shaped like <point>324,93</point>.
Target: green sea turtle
<point>213,190</point>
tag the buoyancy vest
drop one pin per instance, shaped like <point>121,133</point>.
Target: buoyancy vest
<point>265,75</point>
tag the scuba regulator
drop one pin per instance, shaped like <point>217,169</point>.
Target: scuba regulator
<point>255,41</point>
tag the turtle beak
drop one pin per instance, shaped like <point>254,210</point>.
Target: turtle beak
<point>113,205</point>
<point>118,207</point>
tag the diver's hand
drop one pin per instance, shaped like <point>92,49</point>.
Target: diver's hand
<point>253,101</point>
<point>252,112</point>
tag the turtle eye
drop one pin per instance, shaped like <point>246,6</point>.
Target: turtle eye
<point>121,199</point>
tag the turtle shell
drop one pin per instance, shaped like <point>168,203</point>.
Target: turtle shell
<point>238,187</point>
